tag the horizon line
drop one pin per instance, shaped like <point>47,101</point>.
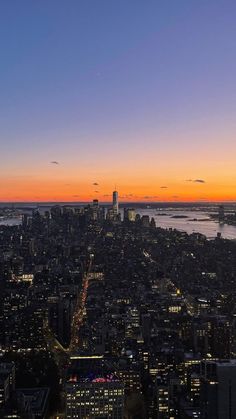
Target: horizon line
<point>121,202</point>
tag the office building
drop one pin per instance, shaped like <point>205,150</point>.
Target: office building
<point>218,389</point>
<point>7,381</point>
<point>129,214</point>
<point>33,402</point>
<point>115,202</point>
<point>221,213</point>
<point>162,402</point>
<point>93,390</point>
<point>145,220</point>
<point>94,396</point>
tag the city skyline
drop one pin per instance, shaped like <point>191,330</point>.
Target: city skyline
<point>134,94</point>
<point>118,209</point>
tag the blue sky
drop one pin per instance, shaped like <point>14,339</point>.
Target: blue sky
<point>88,78</point>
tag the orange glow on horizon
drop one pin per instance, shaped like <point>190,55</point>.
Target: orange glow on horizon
<point>47,190</point>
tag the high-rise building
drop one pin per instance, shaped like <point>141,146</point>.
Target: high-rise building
<point>145,220</point>
<point>162,402</point>
<point>93,390</point>
<point>59,318</point>
<point>221,337</point>
<point>115,202</point>
<point>7,381</point>
<point>221,213</point>
<point>95,203</point>
<point>94,396</point>
<point>129,214</point>
<point>218,389</point>
<point>132,322</point>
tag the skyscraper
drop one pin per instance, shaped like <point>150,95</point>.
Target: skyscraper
<point>221,213</point>
<point>129,214</point>
<point>218,389</point>
<point>115,202</point>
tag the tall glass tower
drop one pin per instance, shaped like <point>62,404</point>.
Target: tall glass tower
<point>115,202</point>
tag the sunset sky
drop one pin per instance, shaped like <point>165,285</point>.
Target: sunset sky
<point>140,94</point>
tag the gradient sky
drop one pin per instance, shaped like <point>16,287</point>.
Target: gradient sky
<point>135,93</point>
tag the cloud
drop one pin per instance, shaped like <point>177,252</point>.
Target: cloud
<point>75,196</point>
<point>106,195</point>
<point>196,180</point>
<point>54,162</point>
<point>95,184</point>
<point>164,187</point>
<point>150,197</point>
<point>175,196</point>
<point>96,191</point>
<point>127,196</point>
<point>199,181</point>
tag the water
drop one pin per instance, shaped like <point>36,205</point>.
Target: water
<point>208,227</point>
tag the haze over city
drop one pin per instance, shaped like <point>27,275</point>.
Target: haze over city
<point>132,93</point>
